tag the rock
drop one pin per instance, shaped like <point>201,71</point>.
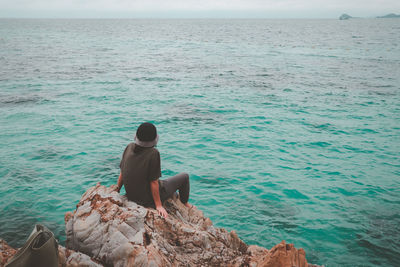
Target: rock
<point>117,232</point>
<point>6,252</point>
<point>281,254</point>
<point>345,17</point>
<point>71,258</point>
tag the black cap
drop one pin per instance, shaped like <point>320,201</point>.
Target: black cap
<point>146,132</point>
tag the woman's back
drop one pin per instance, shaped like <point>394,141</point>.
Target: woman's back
<point>139,166</point>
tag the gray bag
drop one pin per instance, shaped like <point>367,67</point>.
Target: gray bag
<point>40,250</point>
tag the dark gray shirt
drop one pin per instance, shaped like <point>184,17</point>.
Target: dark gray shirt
<point>138,169</point>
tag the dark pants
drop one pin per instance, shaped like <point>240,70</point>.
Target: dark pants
<point>178,182</point>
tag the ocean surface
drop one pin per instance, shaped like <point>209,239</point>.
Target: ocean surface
<point>289,129</point>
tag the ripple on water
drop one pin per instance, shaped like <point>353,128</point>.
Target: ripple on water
<point>49,153</point>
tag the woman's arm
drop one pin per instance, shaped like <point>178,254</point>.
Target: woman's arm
<point>120,184</point>
<point>155,192</point>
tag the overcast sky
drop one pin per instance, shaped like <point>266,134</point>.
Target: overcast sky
<point>196,9</point>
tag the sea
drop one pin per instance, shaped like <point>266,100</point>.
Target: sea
<point>289,129</point>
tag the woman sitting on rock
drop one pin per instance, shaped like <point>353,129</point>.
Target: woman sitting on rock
<point>141,169</point>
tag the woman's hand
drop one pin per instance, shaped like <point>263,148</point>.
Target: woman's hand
<point>119,183</point>
<point>155,192</point>
<point>162,211</point>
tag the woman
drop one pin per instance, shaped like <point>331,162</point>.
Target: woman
<point>141,169</point>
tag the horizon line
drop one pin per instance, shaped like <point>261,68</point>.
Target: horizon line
<point>188,18</point>
<point>166,18</point>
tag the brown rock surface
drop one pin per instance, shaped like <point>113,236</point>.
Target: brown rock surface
<point>6,252</point>
<point>281,254</point>
<point>117,232</point>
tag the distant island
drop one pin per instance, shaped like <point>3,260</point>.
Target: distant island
<point>345,16</point>
<point>389,16</point>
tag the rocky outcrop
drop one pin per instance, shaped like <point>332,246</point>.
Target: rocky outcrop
<point>108,230</point>
<point>117,232</point>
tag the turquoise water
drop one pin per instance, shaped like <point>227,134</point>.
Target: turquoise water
<point>290,129</point>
